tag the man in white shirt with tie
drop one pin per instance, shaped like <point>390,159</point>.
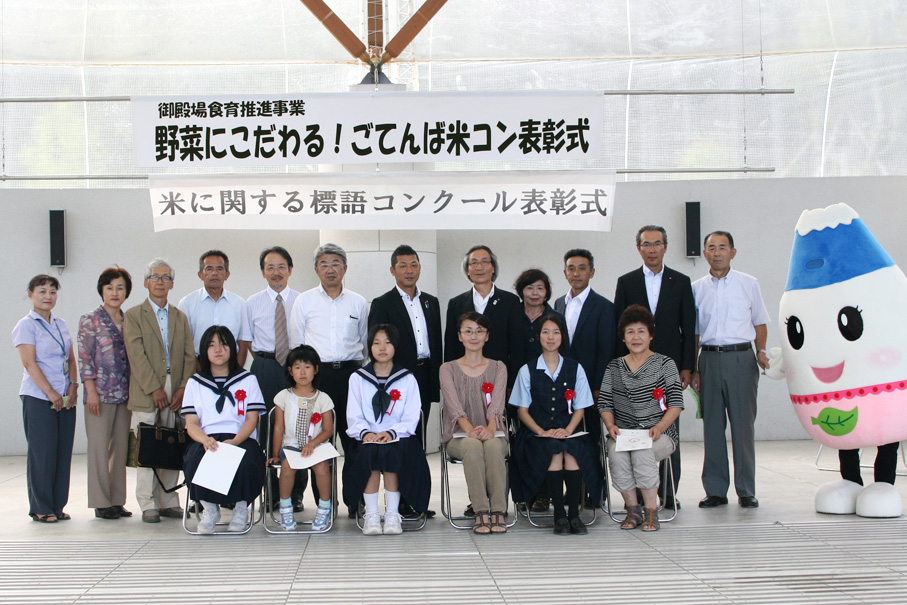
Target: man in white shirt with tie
<point>730,316</point>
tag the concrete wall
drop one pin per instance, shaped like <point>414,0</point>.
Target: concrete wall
<point>114,226</point>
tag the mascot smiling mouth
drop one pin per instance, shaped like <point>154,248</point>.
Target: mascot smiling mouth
<point>830,374</point>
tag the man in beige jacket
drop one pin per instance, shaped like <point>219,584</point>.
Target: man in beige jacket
<point>161,358</point>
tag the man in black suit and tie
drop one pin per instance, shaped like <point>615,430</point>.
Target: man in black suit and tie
<point>417,316</point>
<point>591,326</point>
<point>669,297</point>
<point>506,339</point>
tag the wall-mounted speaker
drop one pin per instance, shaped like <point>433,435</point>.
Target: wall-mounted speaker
<point>57,238</point>
<point>694,245</point>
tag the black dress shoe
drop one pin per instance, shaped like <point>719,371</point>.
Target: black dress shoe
<point>577,526</point>
<point>107,513</point>
<point>712,501</point>
<point>122,511</point>
<point>298,506</point>
<point>561,526</point>
<point>749,502</point>
<point>469,512</point>
<point>669,504</point>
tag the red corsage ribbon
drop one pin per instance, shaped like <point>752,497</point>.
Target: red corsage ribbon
<point>487,388</point>
<point>240,396</point>
<point>316,418</point>
<point>569,394</point>
<point>659,395</point>
<point>395,397</point>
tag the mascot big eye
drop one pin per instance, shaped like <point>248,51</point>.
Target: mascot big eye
<point>844,353</point>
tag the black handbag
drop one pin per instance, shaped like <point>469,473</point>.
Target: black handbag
<point>160,447</point>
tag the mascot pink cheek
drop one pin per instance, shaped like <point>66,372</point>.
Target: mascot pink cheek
<point>886,357</point>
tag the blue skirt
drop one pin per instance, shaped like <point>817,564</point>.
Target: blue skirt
<point>531,457</point>
<point>406,458</point>
<point>246,484</point>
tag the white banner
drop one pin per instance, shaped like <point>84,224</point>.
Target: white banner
<point>545,200</point>
<point>359,127</point>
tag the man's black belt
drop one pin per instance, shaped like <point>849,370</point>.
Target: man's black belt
<point>743,346</point>
<point>342,365</point>
<point>422,361</point>
<point>264,355</point>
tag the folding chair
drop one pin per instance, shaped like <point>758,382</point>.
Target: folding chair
<point>271,517</point>
<point>667,476</point>
<point>250,520</point>
<point>838,468</point>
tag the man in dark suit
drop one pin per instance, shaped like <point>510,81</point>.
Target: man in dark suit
<point>591,326</point>
<point>417,316</point>
<point>506,339</point>
<point>669,297</point>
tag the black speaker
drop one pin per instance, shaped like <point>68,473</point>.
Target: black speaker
<point>57,238</point>
<point>694,246</point>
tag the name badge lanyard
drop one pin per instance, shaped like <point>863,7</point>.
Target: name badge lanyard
<point>60,342</point>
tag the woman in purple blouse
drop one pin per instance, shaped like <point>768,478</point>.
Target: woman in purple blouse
<point>104,370</point>
<point>49,394</point>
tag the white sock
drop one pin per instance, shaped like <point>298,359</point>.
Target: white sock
<point>210,507</point>
<point>240,509</point>
<point>322,503</point>
<point>393,501</point>
<point>371,502</point>
<point>286,503</point>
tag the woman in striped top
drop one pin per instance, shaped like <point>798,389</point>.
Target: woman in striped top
<point>640,391</point>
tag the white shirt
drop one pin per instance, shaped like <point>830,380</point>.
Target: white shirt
<point>728,309</point>
<point>521,396</point>
<point>480,303</point>
<point>201,401</point>
<point>163,322</point>
<point>258,320</point>
<point>336,327</point>
<point>417,319</point>
<point>653,286</point>
<point>204,312</point>
<point>573,306</point>
<point>400,419</point>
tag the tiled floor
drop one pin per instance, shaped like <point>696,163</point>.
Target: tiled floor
<point>782,552</point>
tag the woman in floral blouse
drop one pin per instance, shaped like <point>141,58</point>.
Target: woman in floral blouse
<point>104,370</point>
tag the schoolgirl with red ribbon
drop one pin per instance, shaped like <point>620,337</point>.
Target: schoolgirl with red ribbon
<point>383,411</point>
<point>221,404</point>
<point>303,420</point>
<point>549,391</point>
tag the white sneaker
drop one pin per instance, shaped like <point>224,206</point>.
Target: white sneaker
<point>322,516</point>
<point>393,524</point>
<point>371,524</point>
<point>208,521</point>
<point>240,515</point>
<point>287,520</point>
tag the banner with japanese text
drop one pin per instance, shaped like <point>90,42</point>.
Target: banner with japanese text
<point>540,200</point>
<point>365,127</point>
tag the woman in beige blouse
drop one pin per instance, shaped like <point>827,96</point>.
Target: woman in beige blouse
<point>473,389</point>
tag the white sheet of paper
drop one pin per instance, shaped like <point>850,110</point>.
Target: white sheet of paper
<point>325,451</point>
<point>218,467</point>
<point>576,434</point>
<point>461,434</point>
<point>633,439</point>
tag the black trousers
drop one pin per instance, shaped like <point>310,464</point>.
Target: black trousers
<point>886,464</point>
<point>423,378</point>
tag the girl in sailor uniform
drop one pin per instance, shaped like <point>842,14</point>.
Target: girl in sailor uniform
<point>383,411</point>
<point>221,404</point>
<point>550,393</point>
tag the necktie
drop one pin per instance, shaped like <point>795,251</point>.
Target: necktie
<point>281,341</point>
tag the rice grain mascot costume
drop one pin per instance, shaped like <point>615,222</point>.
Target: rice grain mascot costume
<point>844,353</point>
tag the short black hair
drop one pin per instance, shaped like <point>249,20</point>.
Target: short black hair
<point>276,250</point>
<point>558,320</point>
<point>664,234</point>
<point>475,316</point>
<point>226,337</point>
<point>635,314</point>
<point>403,250</point>
<point>530,276</point>
<point>393,335</point>
<point>108,275</point>
<point>730,238</point>
<point>305,354</point>
<point>201,259</point>
<point>581,252</point>
<point>41,280</point>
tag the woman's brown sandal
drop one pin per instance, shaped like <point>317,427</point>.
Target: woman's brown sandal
<point>634,517</point>
<point>651,522</point>
<point>498,524</point>
<point>481,526</point>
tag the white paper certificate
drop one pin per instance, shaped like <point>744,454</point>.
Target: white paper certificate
<point>461,434</point>
<point>631,439</point>
<point>325,451</point>
<point>218,467</point>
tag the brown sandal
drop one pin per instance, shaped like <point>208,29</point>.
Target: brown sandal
<point>634,517</point>
<point>481,525</point>
<point>498,524</point>
<point>651,522</point>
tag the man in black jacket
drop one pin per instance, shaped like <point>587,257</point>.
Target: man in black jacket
<point>669,297</point>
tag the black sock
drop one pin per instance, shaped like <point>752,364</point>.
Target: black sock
<point>556,492</point>
<point>574,481</point>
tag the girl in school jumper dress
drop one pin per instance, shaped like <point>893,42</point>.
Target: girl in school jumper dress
<point>383,410</point>
<point>547,392</point>
<point>221,404</point>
